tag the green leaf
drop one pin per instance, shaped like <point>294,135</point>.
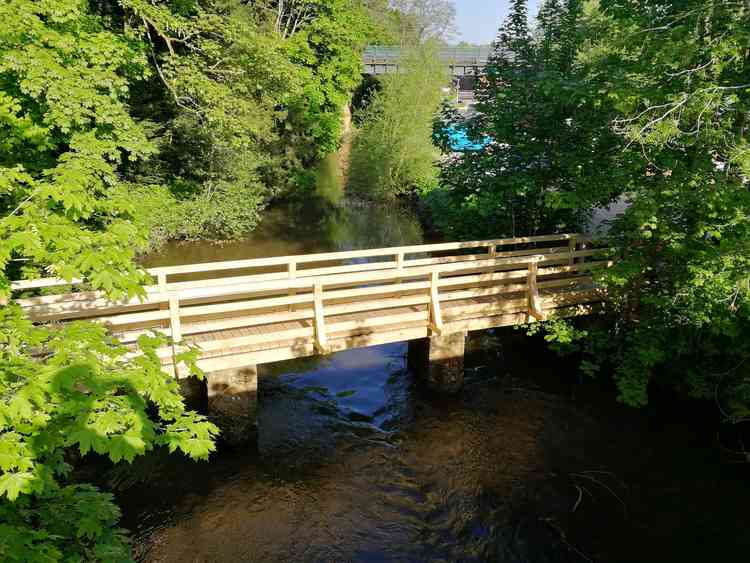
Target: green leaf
<point>13,484</point>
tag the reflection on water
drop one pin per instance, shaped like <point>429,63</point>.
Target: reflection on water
<point>303,228</point>
<point>325,222</point>
<point>329,180</point>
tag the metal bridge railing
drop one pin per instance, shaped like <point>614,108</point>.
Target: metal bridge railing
<point>451,55</point>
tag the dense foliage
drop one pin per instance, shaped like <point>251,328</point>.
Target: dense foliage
<point>543,172</point>
<point>67,134</point>
<point>225,103</point>
<point>243,98</point>
<point>393,152</point>
<point>647,101</point>
<point>680,77</point>
<point>66,393</point>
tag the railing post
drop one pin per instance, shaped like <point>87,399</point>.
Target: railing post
<point>572,247</point>
<point>582,246</point>
<point>534,302</point>
<point>399,266</point>
<point>436,315</point>
<point>400,260</point>
<point>161,280</point>
<point>492,251</point>
<point>292,271</point>
<point>161,283</point>
<point>321,340</point>
<point>176,332</point>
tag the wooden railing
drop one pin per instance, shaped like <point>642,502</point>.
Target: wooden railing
<point>318,303</point>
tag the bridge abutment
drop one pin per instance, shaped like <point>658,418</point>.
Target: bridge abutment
<point>233,403</point>
<point>439,361</point>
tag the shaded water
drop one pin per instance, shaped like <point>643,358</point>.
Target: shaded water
<point>356,462</point>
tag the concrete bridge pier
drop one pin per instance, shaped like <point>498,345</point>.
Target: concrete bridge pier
<point>439,361</point>
<point>233,403</point>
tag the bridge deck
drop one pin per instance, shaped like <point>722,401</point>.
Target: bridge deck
<point>265,310</point>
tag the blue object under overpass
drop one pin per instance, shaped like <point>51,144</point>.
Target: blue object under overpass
<point>460,141</point>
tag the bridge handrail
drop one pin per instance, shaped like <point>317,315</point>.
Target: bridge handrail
<point>259,296</point>
<point>162,272</point>
<point>241,286</point>
<point>475,55</point>
<point>302,311</point>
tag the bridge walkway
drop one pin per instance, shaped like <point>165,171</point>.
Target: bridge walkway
<point>251,312</point>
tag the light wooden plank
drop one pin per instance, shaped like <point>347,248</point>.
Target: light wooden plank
<point>340,309</point>
<point>363,267</point>
<point>513,319</point>
<point>176,333</point>
<point>336,345</point>
<point>436,317</point>
<point>366,303</point>
<point>534,304</point>
<point>334,329</point>
<point>174,318</point>
<point>321,342</point>
<point>40,283</point>
<point>302,350</point>
<point>292,272</point>
<point>485,309</point>
<point>193,311</point>
<point>226,344</point>
<point>161,281</point>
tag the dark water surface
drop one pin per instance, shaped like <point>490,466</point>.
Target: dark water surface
<point>356,462</point>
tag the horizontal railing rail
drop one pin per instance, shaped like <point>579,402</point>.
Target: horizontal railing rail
<point>475,55</point>
<point>400,254</point>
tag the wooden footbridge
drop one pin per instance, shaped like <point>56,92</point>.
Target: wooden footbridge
<point>249,312</point>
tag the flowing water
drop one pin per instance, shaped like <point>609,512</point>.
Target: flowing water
<point>356,462</point>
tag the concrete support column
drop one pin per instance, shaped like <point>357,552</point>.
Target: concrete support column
<point>233,403</point>
<point>439,360</point>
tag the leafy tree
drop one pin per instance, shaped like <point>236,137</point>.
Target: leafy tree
<point>67,138</point>
<point>217,88</point>
<point>66,132</point>
<point>76,388</point>
<point>419,21</point>
<point>680,80</point>
<point>393,152</point>
<point>649,100</point>
<point>542,170</point>
<point>330,48</point>
<point>120,118</point>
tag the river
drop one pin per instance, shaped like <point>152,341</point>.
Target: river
<point>357,462</point>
